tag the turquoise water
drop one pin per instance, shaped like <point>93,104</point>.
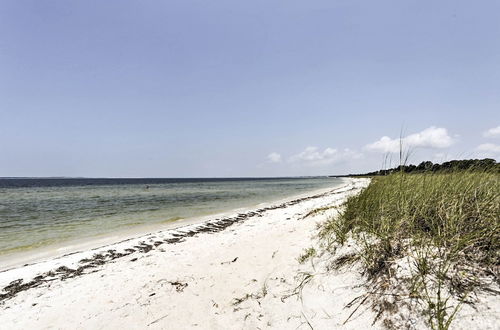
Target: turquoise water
<point>41,212</point>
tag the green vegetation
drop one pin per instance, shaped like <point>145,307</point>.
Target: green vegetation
<point>480,165</point>
<point>308,254</point>
<point>448,223</point>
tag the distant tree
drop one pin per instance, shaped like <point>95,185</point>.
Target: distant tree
<point>424,166</point>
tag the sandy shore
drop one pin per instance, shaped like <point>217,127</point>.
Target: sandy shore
<point>235,271</point>
<point>53,251</point>
<point>227,273</point>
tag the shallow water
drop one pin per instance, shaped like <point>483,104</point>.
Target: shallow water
<point>41,212</point>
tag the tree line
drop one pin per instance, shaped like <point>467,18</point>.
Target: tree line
<point>486,164</point>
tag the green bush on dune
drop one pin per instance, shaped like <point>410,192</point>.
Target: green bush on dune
<point>448,222</point>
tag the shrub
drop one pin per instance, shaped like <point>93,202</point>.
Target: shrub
<point>449,219</point>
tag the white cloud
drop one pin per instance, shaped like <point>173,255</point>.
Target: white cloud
<point>492,132</point>
<point>315,157</point>
<point>274,157</point>
<point>432,137</point>
<point>385,144</point>
<point>489,148</point>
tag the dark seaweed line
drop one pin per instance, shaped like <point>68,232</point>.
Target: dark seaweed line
<point>99,259</point>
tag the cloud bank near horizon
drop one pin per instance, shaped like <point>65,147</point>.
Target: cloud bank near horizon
<point>490,150</point>
<point>314,156</point>
<point>431,138</point>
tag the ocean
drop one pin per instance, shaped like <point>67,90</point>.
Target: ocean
<point>37,213</point>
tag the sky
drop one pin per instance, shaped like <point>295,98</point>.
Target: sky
<point>122,88</point>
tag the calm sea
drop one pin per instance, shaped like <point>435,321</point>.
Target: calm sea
<point>40,212</point>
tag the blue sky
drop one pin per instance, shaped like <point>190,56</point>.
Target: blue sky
<point>255,88</point>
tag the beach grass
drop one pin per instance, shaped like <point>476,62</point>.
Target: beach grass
<point>446,225</point>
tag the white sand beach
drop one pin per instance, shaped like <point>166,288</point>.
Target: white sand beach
<point>240,277</point>
<point>239,274</point>
<point>249,165</point>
